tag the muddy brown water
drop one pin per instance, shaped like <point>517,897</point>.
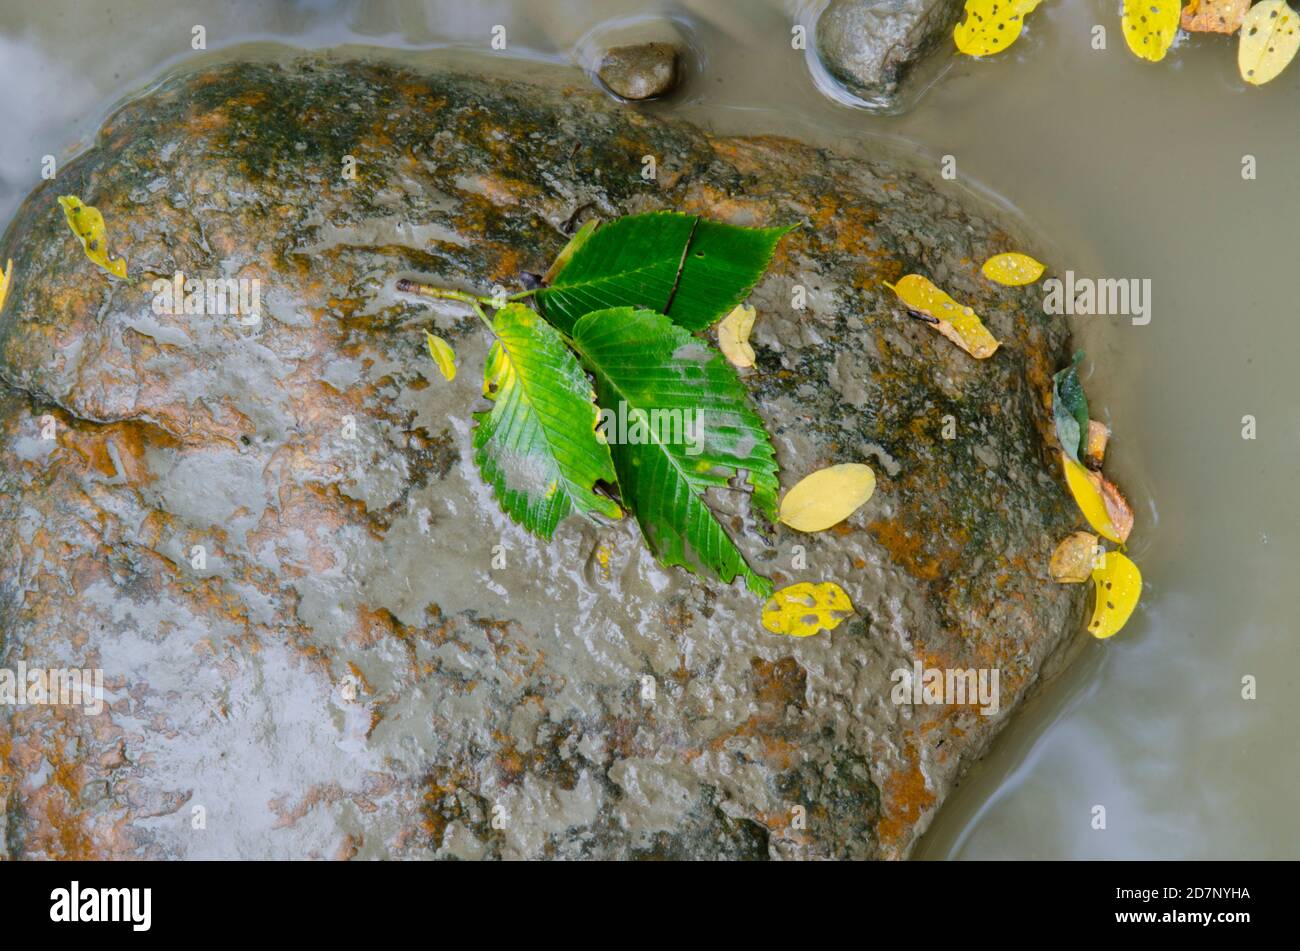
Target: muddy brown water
<point>1125,170</point>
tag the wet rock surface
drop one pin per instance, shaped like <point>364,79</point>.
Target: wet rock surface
<point>870,45</point>
<point>348,671</point>
<point>644,71</point>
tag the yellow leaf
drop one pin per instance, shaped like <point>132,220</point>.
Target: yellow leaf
<point>1013,269</point>
<point>1075,558</point>
<point>1119,585</point>
<point>1213,16</point>
<point>442,355</point>
<point>827,496</point>
<point>1269,40</point>
<point>1150,26</point>
<point>959,324</point>
<point>5,276</point>
<point>991,25</point>
<point>733,336</point>
<point>88,225</point>
<point>1089,499</point>
<point>803,609</point>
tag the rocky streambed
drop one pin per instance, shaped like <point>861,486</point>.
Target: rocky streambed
<point>319,635</point>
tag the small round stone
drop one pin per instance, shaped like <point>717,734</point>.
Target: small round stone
<point>640,72</point>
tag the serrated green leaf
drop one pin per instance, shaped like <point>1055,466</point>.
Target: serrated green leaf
<point>692,269</point>
<point>537,447</point>
<point>1070,410</point>
<point>568,251</point>
<point>88,225</point>
<point>646,364</point>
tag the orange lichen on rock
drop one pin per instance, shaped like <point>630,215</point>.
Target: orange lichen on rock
<point>905,795</point>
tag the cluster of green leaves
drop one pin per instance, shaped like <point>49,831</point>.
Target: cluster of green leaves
<point>616,323</point>
<point>1070,410</point>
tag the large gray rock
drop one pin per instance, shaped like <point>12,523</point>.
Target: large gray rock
<point>345,672</point>
<point>870,45</point>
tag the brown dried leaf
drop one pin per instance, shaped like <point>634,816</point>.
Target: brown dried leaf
<point>1117,507</point>
<point>1098,436</point>
<point>1075,558</point>
<point>1214,16</point>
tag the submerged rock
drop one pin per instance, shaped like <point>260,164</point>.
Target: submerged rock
<point>640,72</point>
<point>870,45</point>
<point>320,636</point>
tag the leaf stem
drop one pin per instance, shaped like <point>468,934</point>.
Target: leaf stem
<point>446,293</point>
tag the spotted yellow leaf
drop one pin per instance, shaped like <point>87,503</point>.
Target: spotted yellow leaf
<point>88,225</point>
<point>1118,587</point>
<point>442,355</point>
<point>733,336</point>
<point>991,25</point>
<point>803,609</point>
<point>827,497</point>
<point>5,276</point>
<point>1213,16</point>
<point>1075,557</point>
<point>1099,500</point>
<point>1013,269</point>
<point>1150,26</point>
<point>959,324</point>
<point>1269,40</point>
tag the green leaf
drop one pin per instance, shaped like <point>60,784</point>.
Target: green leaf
<point>695,271</point>
<point>537,447</point>
<point>1070,410</point>
<point>660,374</point>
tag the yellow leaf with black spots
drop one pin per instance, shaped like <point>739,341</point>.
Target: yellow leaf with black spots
<point>958,323</point>
<point>991,25</point>
<point>442,355</point>
<point>88,225</point>
<point>1150,26</point>
<point>1269,40</point>
<point>1118,587</point>
<point>1013,269</point>
<point>804,609</point>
